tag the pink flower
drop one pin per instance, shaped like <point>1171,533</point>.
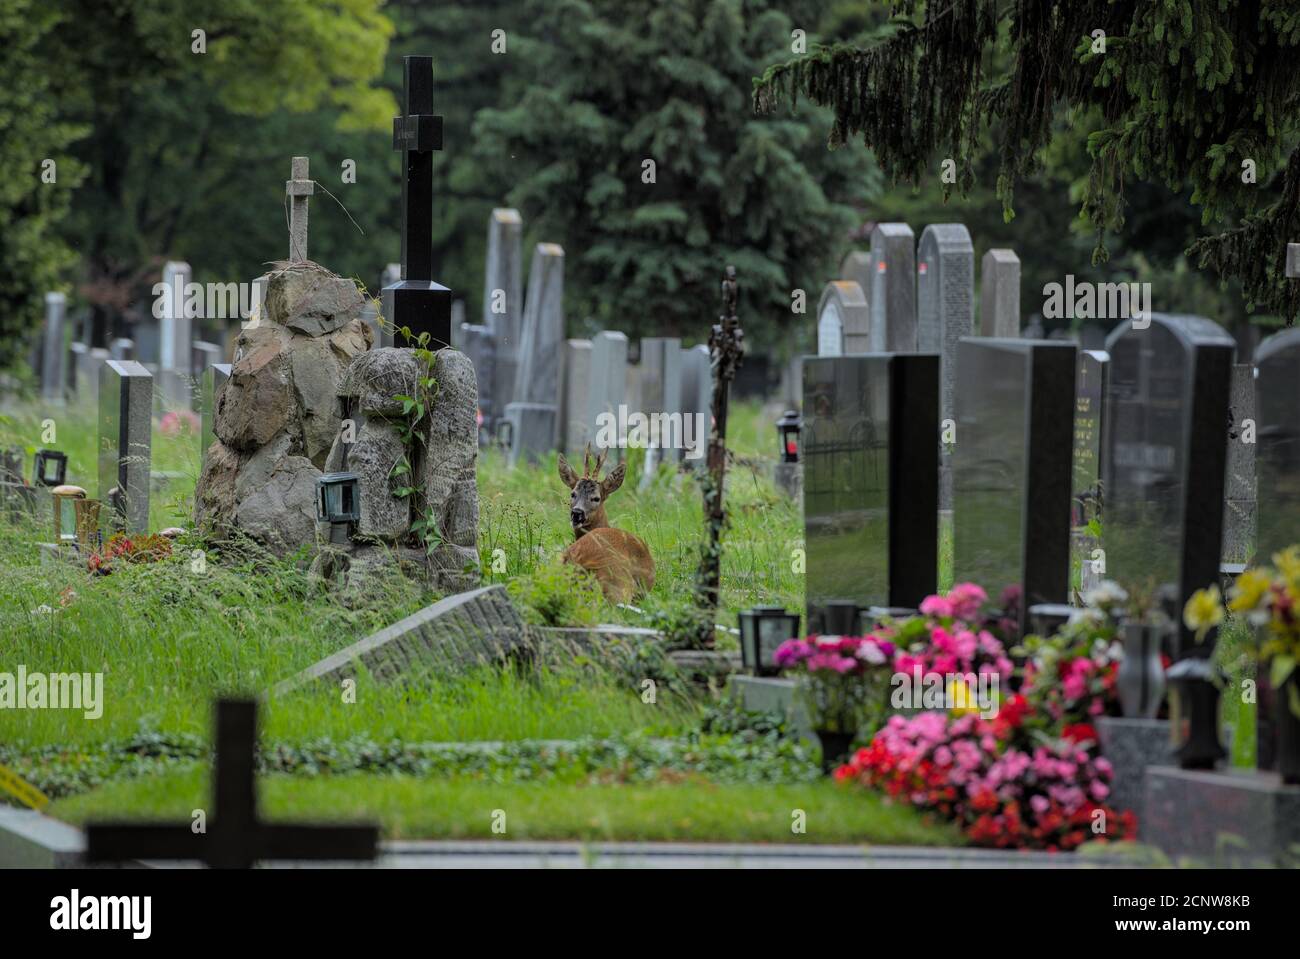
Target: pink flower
<point>936,606</point>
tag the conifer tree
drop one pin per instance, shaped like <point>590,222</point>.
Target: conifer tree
<point>1188,93</point>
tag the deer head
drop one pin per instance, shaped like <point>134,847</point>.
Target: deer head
<point>587,503</point>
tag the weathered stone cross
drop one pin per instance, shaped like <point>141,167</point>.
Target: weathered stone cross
<point>298,189</point>
<point>235,838</point>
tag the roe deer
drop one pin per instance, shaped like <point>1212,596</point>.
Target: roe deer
<point>621,562</point>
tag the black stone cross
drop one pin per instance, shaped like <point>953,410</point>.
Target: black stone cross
<point>415,302</point>
<point>234,838</point>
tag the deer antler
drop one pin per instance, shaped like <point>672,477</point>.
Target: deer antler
<point>586,462</point>
<point>600,463</point>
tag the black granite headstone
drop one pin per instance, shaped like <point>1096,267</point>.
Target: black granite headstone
<point>1166,439</point>
<point>871,493</point>
<point>1012,467</point>
<point>1089,391</point>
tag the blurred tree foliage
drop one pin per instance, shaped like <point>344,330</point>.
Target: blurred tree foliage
<point>627,136</point>
<point>34,196</point>
<point>1179,102</point>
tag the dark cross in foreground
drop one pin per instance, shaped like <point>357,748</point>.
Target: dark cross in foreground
<point>415,302</point>
<point>234,838</point>
<point>726,349</point>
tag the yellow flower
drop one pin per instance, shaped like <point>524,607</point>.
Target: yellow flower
<point>962,697</point>
<point>1203,611</point>
<point>1251,588</point>
<point>1288,564</point>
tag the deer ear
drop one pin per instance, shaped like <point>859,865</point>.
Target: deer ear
<point>614,480</point>
<point>567,475</point>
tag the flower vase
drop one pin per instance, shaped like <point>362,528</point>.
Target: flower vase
<point>835,748</point>
<point>1140,681</point>
<point>1287,724</point>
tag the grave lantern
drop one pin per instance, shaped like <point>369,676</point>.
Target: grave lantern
<point>51,468</point>
<point>338,502</point>
<point>762,630</point>
<point>65,513</point>
<point>1194,713</point>
<point>788,428</point>
<point>841,617</point>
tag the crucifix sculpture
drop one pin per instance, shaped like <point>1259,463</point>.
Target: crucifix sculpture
<point>415,302</point>
<point>234,838</point>
<point>726,350</point>
<point>298,188</point>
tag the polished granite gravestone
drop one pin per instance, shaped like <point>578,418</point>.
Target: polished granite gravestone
<point>607,389</point>
<point>1000,294</point>
<point>870,479</point>
<point>125,439</point>
<point>1238,818</point>
<point>175,339</point>
<point>575,431</point>
<point>1165,454</point>
<point>503,296</point>
<point>893,289</point>
<point>1130,746</point>
<point>480,344</point>
<point>1012,467</point>
<point>1239,503</point>
<point>531,428</point>
<point>1089,424</point>
<point>843,320</point>
<point>1277,454</point>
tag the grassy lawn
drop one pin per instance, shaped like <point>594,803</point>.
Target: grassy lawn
<point>457,808</point>
<point>171,636</point>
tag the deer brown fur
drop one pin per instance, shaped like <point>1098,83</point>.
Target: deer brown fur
<point>621,562</point>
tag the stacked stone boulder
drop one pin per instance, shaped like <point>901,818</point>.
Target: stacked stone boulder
<point>437,486</point>
<point>277,416</point>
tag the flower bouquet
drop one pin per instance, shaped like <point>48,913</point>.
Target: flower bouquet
<point>842,681</point>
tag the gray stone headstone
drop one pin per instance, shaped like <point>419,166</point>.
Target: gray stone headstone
<point>945,295</point>
<point>1293,261</point>
<point>607,389</point>
<point>531,428</point>
<point>1277,425</point>
<point>121,348</point>
<point>843,320</point>
<point>384,335</point>
<point>214,378</point>
<point>297,189</point>
<point>574,426</point>
<point>858,267</point>
<point>661,390</point>
<point>176,338</point>
<point>480,345</point>
<point>893,290</point>
<point>1000,294</point>
<point>1034,329</point>
<point>1239,495</point>
<point>125,437</point>
<point>77,357</point>
<point>468,630</point>
<point>53,352</point>
<point>503,294</point>
<point>870,421</point>
<point>696,403</point>
<point>206,354</point>
<point>1165,457</point>
<point>538,377</point>
<point>1012,467</point>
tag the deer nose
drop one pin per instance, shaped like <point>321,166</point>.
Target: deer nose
<point>578,516</point>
